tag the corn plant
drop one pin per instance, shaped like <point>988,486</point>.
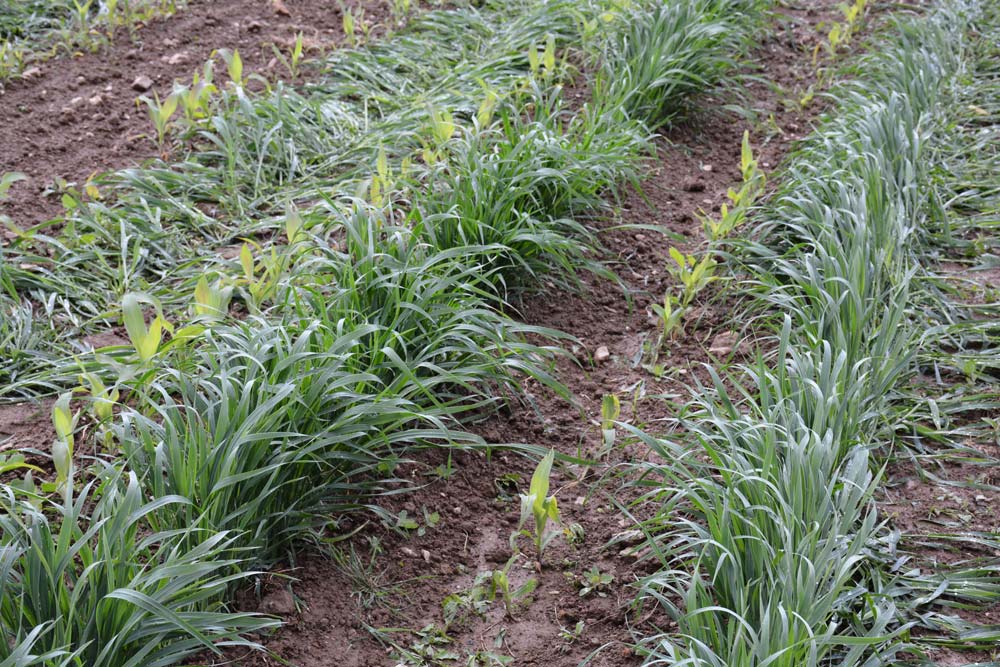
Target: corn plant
<point>261,275</point>
<point>741,200</point>
<point>234,67</point>
<point>146,340</point>
<point>64,422</point>
<point>161,113</point>
<point>694,274</point>
<point>195,99</point>
<point>611,409</point>
<point>539,507</point>
<point>293,61</point>
<point>840,33</point>
<point>543,65</point>
<point>211,299</point>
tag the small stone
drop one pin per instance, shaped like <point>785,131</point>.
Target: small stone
<point>602,354</point>
<point>76,100</point>
<point>706,167</point>
<point>426,555</point>
<point>177,58</point>
<point>580,500</point>
<point>723,343</point>
<point>31,73</point>
<point>254,26</point>
<point>408,552</point>
<point>142,83</point>
<point>910,484</point>
<point>95,100</point>
<point>278,603</point>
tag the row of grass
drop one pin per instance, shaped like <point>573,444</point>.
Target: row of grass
<point>767,530</point>
<point>381,219</point>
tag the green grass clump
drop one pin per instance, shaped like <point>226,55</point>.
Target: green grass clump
<point>768,530</point>
<point>668,53</point>
<point>85,581</point>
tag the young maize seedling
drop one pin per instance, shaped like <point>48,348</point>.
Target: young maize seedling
<point>64,422</point>
<point>11,60</point>
<point>102,401</point>
<point>442,129</point>
<point>400,10</point>
<point>81,16</point>
<point>260,288</point>
<point>211,300</point>
<point>500,584</point>
<point>294,60</point>
<point>145,340</point>
<point>694,275</point>
<point>234,66</point>
<point>741,200</point>
<point>543,66</point>
<point>611,409</point>
<point>484,115</point>
<point>195,99</point>
<point>381,182</point>
<point>840,33</point>
<point>160,114</point>
<point>671,315</point>
<point>539,506</point>
<point>485,589</point>
<point>442,125</point>
<point>351,23</point>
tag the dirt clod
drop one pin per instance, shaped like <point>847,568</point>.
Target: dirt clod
<point>142,83</point>
<point>279,602</point>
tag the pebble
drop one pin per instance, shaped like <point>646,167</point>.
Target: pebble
<point>602,354</point>
<point>142,83</point>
